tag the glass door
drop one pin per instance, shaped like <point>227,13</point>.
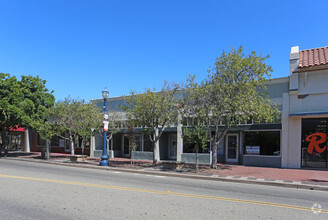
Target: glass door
<point>232,148</point>
<point>126,146</point>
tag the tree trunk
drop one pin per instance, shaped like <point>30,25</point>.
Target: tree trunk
<point>47,155</point>
<point>6,143</point>
<point>197,166</point>
<point>71,143</point>
<point>155,147</point>
<point>82,146</point>
<point>130,157</point>
<point>215,143</point>
<point>214,154</point>
<point>47,150</point>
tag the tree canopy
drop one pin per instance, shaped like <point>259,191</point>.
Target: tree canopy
<point>153,111</point>
<point>230,94</point>
<point>23,103</point>
<point>76,117</point>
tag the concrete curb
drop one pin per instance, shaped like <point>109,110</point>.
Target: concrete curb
<point>188,176</point>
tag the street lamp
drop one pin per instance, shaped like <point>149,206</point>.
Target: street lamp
<point>104,157</point>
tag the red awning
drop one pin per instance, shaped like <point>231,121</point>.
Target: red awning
<point>18,129</point>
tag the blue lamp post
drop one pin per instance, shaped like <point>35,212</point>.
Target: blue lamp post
<point>104,157</point>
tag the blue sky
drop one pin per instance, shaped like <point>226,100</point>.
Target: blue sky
<point>80,47</point>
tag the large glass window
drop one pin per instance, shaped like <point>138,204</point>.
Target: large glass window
<point>148,146</point>
<point>190,148</point>
<point>266,142</point>
<point>314,143</point>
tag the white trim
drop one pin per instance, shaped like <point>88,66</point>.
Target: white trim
<point>276,81</point>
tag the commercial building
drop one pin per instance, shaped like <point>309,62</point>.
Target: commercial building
<point>296,140</point>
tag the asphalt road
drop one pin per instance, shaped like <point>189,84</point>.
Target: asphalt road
<point>43,191</point>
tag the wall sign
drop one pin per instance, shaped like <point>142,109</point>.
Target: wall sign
<point>253,150</point>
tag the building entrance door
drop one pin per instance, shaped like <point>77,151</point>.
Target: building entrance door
<point>231,151</point>
<point>126,146</point>
<point>173,146</point>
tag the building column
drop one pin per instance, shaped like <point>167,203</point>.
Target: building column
<point>27,140</point>
<point>294,142</point>
<point>179,138</point>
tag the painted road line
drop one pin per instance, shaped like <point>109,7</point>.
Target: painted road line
<point>303,208</point>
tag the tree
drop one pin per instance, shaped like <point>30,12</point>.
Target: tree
<point>199,136</point>
<point>65,114</point>
<point>23,103</point>
<point>77,118</point>
<point>231,94</point>
<point>153,111</point>
<point>47,130</point>
<point>88,120</point>
<point>132,142</point>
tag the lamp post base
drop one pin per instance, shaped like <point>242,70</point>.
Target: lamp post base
<point>104,161</point>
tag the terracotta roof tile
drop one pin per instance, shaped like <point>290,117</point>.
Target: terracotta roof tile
<point>313,57</point>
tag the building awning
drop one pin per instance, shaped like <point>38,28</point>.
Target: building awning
<point>18,129</point>
<point>309,114</point>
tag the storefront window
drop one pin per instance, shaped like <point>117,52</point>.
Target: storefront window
<point>262,143</point>
<point>314,143</point>
<point>190,148</point>
<point>147,143</point>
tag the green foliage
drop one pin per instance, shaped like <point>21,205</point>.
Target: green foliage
<point>76,117</point>
<point>230,94</point>
<point>47,130</point>
<point>25,102</point>
<point>234,85</point>
<point>88,118</point>
<point>152,110</point>
<point>198,135</point>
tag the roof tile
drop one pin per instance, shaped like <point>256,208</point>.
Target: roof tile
<point>313,57</point>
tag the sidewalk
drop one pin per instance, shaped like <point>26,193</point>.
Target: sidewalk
<point>293,178</point>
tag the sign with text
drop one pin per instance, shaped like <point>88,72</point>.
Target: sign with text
<point>316,139</point>
<point>253,150</point>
